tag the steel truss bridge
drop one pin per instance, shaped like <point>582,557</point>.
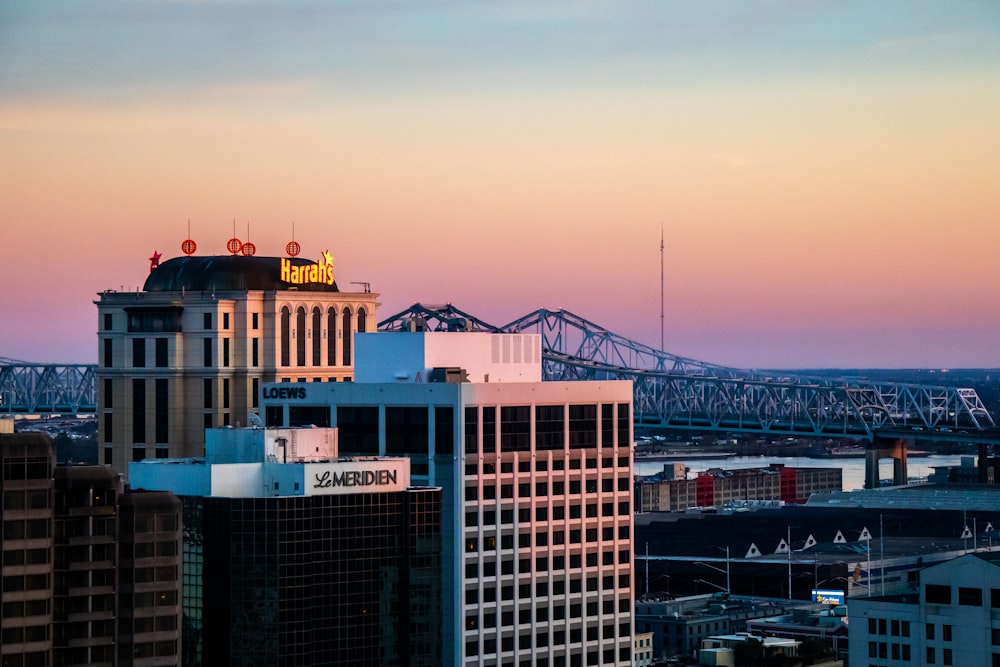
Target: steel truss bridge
<point>27,388</point>
<point>670,391</point>
<point>681,393</point>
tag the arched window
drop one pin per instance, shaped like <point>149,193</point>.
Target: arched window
<point>362,320</point>
<point>317,334</point>
<point>331,337</point>
<point>300,336</point>
<point>348,331</point>
<point>286,336</point>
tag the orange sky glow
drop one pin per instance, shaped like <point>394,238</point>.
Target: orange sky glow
<point>827,204</point>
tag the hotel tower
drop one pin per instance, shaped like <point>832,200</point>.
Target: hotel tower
<point>191,349</point>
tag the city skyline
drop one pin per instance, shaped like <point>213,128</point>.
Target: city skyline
<point>824,175</point>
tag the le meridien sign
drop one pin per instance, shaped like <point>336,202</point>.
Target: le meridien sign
<point>346,477</point>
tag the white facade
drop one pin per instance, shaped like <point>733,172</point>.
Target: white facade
<point>485,357</point>
<point>536,477</point>
<point>952,617</point>
<point>643,649</point>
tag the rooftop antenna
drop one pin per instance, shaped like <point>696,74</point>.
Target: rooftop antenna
<point>661,288</point>
<point>188,246</point>
<point>248,249</point>
<point>367,286</point>
<point>293,248</point>
<point>234,245</point>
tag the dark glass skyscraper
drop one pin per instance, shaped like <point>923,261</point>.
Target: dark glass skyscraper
<point>296,556</point>
<point>319,580</point>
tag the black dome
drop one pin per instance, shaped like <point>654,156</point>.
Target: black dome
<point>227,272</point>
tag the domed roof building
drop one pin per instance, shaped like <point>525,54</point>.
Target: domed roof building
<point>190,350</point>
<point>229,272</point>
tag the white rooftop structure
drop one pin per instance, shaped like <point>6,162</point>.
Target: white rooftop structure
<point>413,357</point>
<point>258,463</point>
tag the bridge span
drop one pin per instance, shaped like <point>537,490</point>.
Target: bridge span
<point>37,389</point>
<point>675,392</point>
<point>670,391</point>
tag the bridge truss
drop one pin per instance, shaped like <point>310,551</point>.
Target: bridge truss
<point>27,388</point>
<point>677,392</point>
<point>669,391</point>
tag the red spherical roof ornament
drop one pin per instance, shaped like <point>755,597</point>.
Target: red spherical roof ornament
<point>293,248</point>
<point>234,246</point>
<point>249,249</point>
<point>188,247</point>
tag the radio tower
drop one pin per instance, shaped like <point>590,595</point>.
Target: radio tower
<point>661,288</point>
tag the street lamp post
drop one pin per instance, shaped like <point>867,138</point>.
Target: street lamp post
<point>729,588</point>
<point>709,583</point>
<point>789,552</point>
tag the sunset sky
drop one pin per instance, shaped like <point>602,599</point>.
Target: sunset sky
<point>826,174</point>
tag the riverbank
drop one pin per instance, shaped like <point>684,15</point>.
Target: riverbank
<point>681,455</point>
<point>853,469</point>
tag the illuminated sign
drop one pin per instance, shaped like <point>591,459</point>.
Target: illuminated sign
<point>828,596</point>
<point>319,272</point>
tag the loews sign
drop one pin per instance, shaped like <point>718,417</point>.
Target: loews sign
<point>319,272</point>
<point>284,392</point>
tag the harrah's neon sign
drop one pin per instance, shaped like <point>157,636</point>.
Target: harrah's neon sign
<point>319,272</point>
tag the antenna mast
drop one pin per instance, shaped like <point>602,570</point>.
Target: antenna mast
<point>661,288</point>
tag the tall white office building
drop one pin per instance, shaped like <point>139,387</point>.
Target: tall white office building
<point>536,479</point>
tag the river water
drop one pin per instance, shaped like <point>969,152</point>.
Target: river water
<point>853,468</point>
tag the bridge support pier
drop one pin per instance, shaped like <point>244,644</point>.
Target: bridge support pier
<point>883,448</point>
